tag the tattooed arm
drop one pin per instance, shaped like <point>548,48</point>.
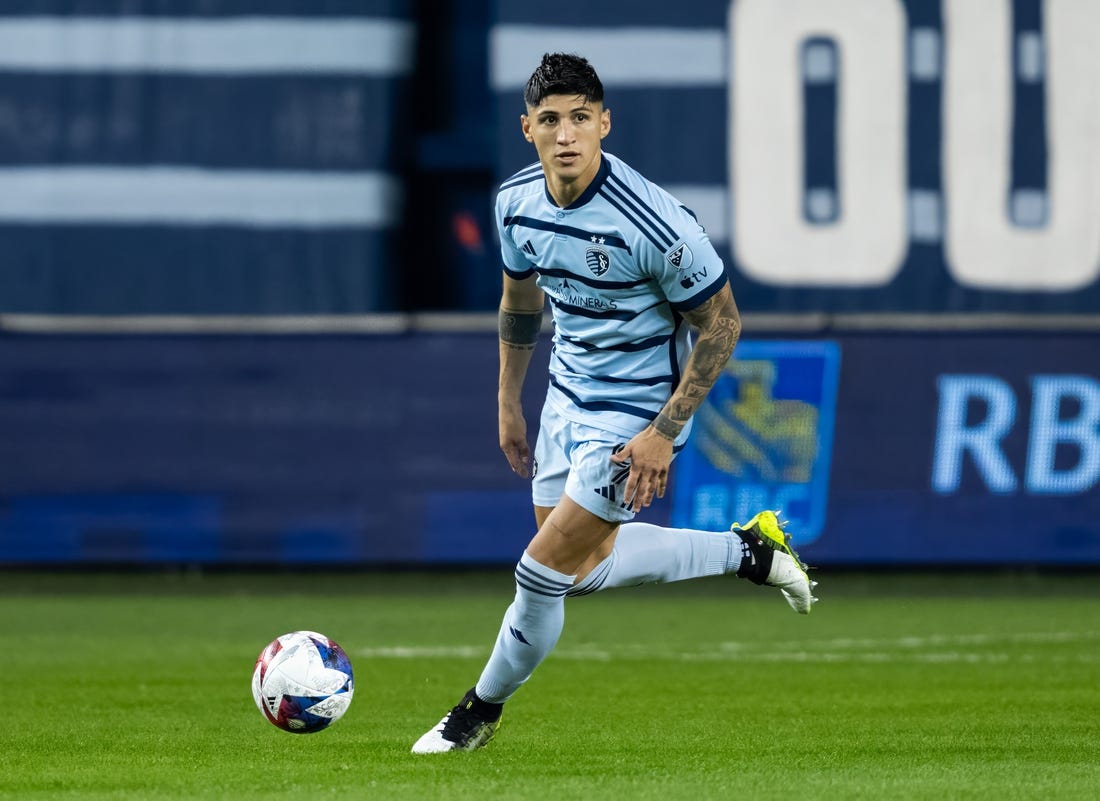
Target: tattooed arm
<point>518,323</point>
<point>650,452</point>
<point>719,326</point>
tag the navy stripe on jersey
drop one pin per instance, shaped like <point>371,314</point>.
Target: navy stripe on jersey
<point>520,275</point>
<point>637,224</point>
<point>617,183</point>
<point>673,356</point>
<point>524,176</point>
<point>590,281</point>
<point>594,314</point>
<point>525,171</point>
<point>604,406</point>
<point>645,382</point>
<point>590,192</point>
<point>566,230</point>
<point>520,181</point>
<point>697,300</point>
<point>608,379</point>
<point>626,347</point>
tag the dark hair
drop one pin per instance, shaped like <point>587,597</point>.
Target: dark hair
<point>563,74</point>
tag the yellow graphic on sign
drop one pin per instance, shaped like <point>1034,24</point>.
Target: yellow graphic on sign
<point>753,435</point>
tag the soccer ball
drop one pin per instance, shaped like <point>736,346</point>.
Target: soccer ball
<point>302,682</point>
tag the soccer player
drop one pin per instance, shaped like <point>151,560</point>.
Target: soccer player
<point>624,265</point>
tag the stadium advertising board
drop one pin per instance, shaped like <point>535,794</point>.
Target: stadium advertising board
<point>762,440</point>
<point>965,449</point>
<point>945,449</point>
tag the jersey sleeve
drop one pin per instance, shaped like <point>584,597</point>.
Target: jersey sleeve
<point>690,271</point>
<point>515,262</point>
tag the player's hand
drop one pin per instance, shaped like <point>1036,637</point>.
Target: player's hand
<point>513,438</point>
<point>649,455</point>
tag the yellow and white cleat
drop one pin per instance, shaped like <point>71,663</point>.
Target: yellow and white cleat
<point>768,558</point>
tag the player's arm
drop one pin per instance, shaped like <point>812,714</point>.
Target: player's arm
<point>719,325</point>
<point>650,453</point>
<point>518,321</point>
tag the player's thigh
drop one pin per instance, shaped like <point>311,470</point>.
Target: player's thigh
<point>602,551</point>
<point>569,536</point>
<point>541,513</point>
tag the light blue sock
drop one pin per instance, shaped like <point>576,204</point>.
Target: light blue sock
<point>645,554</point>
<point>529,632</point>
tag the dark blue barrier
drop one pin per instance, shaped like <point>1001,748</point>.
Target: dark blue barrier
<point>945,449</point>
<point>249,449</point>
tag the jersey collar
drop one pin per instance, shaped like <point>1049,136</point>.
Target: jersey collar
<point>590,192</point>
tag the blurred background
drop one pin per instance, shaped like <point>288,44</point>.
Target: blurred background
<point>248,272</point>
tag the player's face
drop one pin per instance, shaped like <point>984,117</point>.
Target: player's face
<point>566,132</point>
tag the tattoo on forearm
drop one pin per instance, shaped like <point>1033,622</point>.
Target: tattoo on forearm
<point>519,329</point>
<point>666,427</point>
<point>719,332</point>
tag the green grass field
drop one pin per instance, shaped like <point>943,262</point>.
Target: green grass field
<point>897,686</point>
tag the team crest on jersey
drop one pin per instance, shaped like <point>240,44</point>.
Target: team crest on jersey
<point>599,262</point>
<point>680,257</point>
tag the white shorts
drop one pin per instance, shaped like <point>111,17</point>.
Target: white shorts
<point>575,460</point>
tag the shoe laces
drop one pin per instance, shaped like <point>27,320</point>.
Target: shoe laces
<point>463,722</point>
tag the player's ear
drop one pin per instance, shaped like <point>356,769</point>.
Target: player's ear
<point>605,122</point>
<point>525,123</point>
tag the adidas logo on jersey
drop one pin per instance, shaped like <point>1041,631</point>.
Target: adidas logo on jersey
<point>529,249</point>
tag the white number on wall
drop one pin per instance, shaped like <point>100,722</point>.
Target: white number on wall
<point>772,240</point>
<point>985,248</point>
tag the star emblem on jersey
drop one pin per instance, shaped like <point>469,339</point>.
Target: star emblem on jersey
<point>599,262</point>
<point>680,257</point>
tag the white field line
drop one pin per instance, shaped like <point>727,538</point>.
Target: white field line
<point>931,649</point>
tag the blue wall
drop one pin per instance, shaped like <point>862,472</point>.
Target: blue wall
<point>203,157</point>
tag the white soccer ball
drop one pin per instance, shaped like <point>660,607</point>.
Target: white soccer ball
<point>302,682</point>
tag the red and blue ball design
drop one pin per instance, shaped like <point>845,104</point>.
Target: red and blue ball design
<point>302,682</point>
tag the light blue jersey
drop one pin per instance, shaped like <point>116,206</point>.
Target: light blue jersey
<point>619,266</point>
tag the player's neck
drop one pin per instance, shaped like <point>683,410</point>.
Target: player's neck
<point>565,191</point>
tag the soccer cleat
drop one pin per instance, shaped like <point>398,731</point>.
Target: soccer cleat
<point>767,558</point>
<point>471,724</point>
